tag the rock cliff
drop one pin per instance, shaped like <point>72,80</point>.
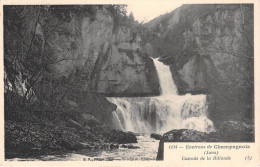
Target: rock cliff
<point>201,42</point>
<point>210,50</point>
<point>106,58</point>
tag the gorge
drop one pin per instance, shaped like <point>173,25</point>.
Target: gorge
<point>86,81</point>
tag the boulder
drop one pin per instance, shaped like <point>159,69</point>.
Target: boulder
<point>131,146</point>
<point>123,146</point>
<point>184,135</point>
<point>90,120</point>
<point>113,146</point>
<point>71,105</point>
<point>156,136</point>
<point>180,135</point>
<point>121,137</point>
<point>73,124</point>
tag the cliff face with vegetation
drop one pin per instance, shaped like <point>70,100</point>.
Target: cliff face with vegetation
<point>210,50</point>
<point>102,53</point>
<point>56,59</point>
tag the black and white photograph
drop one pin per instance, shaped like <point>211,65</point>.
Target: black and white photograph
<point>114,82</point>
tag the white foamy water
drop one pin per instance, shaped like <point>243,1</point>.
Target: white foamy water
<point>163,113</point>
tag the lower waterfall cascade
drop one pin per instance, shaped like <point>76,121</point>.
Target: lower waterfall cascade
<point>163,113</point>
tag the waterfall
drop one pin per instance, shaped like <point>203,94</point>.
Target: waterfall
<point>165,78</point>
<point>163,113</point>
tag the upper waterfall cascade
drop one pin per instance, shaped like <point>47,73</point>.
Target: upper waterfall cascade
<point>165,78</point>
<point>163,113</point>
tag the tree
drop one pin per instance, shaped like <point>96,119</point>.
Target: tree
<point>28,56</point>
<point>131,17</point>
<point>118,13</point>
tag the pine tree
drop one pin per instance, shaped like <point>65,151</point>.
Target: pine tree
<point>131,16</point>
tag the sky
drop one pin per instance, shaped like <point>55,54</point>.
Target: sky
<point>144,10</point>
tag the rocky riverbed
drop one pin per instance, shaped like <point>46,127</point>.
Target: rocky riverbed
<point>145,149</point>
<point>29,140</point>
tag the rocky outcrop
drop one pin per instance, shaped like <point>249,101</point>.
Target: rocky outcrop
<point>229,131</point>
